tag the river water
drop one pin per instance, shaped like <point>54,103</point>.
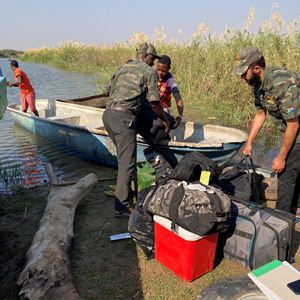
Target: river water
<point>19,146</point>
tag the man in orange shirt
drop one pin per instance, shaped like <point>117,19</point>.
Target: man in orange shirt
<point>27,94</point>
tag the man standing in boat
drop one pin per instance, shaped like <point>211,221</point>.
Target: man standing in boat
<point>276,90</point>
<point>129,86</point>
<point>27,95</point>
<point>168,86</point>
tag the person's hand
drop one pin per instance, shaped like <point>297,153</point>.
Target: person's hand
<point>248,149</point>
<point>178,121</point>
<point>278,165</point>
<point>8,83</point>
<point>167,125</point>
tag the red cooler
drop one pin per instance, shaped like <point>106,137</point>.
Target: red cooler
<point>186,254</point>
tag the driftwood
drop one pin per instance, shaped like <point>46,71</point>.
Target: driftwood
<point>47,273</point>
<point>74,182</point>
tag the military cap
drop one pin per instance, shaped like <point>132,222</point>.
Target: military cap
<point>147,48</point>
<point>245,58</point>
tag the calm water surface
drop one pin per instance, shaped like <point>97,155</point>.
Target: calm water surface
<point>19,146</point>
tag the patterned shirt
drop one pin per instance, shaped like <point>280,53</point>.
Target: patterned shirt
<point>167,86</point>
<point>279,93</point>
<point>131,84</point>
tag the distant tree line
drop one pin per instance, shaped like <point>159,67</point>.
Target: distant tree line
<point>10,53</point>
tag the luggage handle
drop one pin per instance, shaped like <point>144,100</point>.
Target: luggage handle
<point>237,166</point>
<point>251,161</point>
<point>249,204</point>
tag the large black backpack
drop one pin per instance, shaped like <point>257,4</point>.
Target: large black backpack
<point>191,166</point>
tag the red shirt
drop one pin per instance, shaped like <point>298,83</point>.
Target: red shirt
<point>25,86</point>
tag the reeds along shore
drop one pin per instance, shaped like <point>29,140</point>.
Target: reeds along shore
<point>202,65</point>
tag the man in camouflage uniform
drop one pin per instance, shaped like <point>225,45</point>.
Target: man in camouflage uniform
<point>127,89</point>
<point>276,90</point>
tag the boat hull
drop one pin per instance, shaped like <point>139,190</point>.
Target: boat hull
<point>78,140</point>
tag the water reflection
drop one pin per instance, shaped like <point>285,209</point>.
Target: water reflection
<point>265,147</point>
<point>30,165</point>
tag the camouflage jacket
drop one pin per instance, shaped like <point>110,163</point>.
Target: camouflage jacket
<point>131,84</point>
<point>279,93</point>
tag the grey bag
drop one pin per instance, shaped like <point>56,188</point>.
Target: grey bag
<point>257,235</point>
<point>199,211</point>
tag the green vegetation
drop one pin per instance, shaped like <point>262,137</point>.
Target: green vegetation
<point>10,176</point>
<point>202,65</point>
<point>9,53</point>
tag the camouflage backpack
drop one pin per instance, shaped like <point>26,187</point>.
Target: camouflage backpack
<point>195,207</point>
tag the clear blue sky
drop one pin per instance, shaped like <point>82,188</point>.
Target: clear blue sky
<point>37,23</point>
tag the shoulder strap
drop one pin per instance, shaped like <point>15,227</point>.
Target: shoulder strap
<point>174,204</point>
<point>146,203</point>
<point>235,169</point>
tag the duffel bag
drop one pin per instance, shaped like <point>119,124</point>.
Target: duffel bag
<point>257,234</point>
<point>195,207</point>
<point>240,182</point>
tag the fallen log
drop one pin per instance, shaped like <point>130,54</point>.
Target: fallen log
<point>74,182</point>
<point>47,272</point>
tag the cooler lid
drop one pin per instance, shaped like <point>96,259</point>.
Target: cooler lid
<point>186,235</point>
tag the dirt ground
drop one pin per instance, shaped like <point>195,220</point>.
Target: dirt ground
<point>102,269</point>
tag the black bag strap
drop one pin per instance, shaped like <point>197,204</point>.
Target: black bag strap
<point>146,203</point>
<point>237,166</point>
<point>251,161</point>
<point>174,204</point>
<point>253,168</point>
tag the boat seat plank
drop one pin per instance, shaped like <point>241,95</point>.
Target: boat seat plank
<point>98,126</point>
<point>67,118</point>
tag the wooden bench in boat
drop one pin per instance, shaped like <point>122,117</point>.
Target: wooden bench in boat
<point>67,118</point>
<point>97,126</point>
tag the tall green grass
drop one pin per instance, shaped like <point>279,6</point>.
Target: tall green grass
<point>201,65</point>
